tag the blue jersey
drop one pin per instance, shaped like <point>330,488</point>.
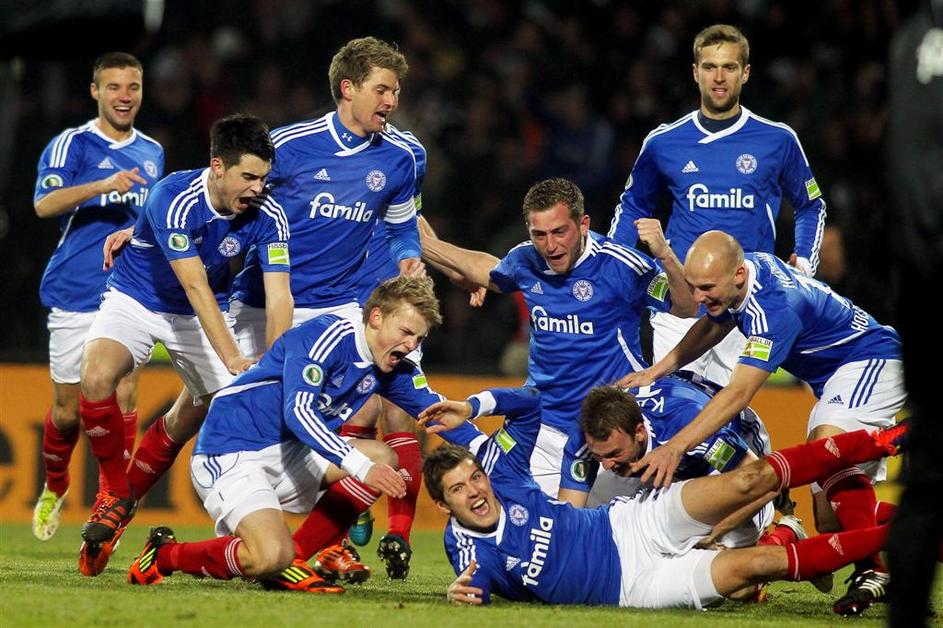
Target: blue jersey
<point>314,377</point>
<point>178,222</point>
<point>585,323</point>
<point>542,550</point>
<point>733,180</point>
<point>802,325</point>
<point>74,279</point>
<point>335,187</point>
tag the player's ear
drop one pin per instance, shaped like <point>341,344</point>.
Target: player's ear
<point>217,167</point>
<point>93,90</point>
<point>442,506</point>
<point>375,318</point>
<point>746,74</point>
<point>347,88</point>
<point>694,71</point>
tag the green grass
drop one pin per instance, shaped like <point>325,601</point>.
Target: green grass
<point>40,586</point>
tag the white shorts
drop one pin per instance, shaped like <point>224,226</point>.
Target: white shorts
<point>717,362</point>
<point>67,332</point>
<point>124,320</point>
<point>661,568</point>
<point>283,477</point>
<point>862,395</point>
<point>249,322</point>
<point>546,459</point>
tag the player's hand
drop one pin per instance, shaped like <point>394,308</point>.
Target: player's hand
<point>411,267</point>
<point>123,180</point>
<point>113,245</point>
<point>446,415</point>
<point>659,465</point>
<point>476,298</point>
<point>649,232</point>
<point>801,264</point>
<point>638,379</point>
<point>239,364</point>
<point>461,591</point>
<point>384,478</point>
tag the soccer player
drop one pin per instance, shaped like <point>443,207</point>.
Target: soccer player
<point>585,294</point>
<point>167,286</point>
<point>852,363</point>
<point>725,168</point>
<point>505,537</point>
<point>94,179</point>
<point>268,443</point>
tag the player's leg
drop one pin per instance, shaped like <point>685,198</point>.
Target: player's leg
<point>546,459</point>
<point>399,432</point>
<point>127,396</point>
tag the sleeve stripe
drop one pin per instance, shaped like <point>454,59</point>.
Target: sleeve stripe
<point>759,324</point>
<point>329,339</point>
<point>180,207</point>
<point>310,420</point>
<point>395,141</point>
<point>272,209</point>
<point>785,127</point>
<point>397,214</point>
<point>819,234</point>
<point>60,149</point>
<point>295,131</point>
<point>466,549</point>
<point>490,459</point>
<point>629,258</point>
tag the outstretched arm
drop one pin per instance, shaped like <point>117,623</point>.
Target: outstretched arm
<point>460,264</point>
<point>65,200</point>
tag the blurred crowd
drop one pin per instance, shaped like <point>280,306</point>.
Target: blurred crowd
<point>501,94</point>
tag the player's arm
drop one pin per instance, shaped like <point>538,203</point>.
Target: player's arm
<point>402,236</point>
<point>683,304</point>
<point>279,305</point>
<point>800,187</point>
<point>64,200</point>
<point>476,293</point>
<point>510,402</point>
<point>463,591</point>
<point>638,200</point>
<point>464,264</point>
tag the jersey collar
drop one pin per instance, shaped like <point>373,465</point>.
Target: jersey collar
<point>497,535</point>
<point>589,249</point>
<point>751,287</point>
<point>205,182</point>
<point>710,137</point>
<point>348,141</point>
<point>360,340</point>
<point>94,128</point>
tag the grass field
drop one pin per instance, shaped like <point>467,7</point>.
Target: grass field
<point>40,586</point>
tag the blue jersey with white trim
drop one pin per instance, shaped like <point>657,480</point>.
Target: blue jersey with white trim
<point>74,279</point>
<point>179,222</point>
<point>733,180</point>
<point>542,550</point>
<point>584,323</point>
<point>314,377</point>
<point>802,325</point>
<point>335,188</point>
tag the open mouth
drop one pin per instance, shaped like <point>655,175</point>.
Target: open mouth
<point>397,356</point>
<point>481,507</point>
<point>380,118</point>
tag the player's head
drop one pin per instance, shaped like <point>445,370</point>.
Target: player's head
<point>241,154</point>
<point>556,222</point>
<point>118,87</point>
<point>721,67</point>
<point>365,75</point>
<point>460,487</point>
<point>611,422</point>
<point>397,316</point>
<point>715,269</point>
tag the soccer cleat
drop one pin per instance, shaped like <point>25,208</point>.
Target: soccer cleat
<point>144,568</point>
<point>94,557</point>
<point>300,577</point>
<point>341,562</point>
<point>893,439</point>
<point>111,514</point>
<point>866,588</point>
<point>47,513</point>
<point>361,532</point>
<point>395,552</point>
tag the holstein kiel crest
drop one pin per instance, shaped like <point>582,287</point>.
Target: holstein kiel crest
<point>583,290</point>
<point>746,163</point>
<point>376,180</point>
<point>366,384</point>
<point>518,515</point>
<point>230,246</point>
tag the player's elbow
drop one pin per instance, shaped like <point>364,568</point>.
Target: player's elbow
<point>43,208</point>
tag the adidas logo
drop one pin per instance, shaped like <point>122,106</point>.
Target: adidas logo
<point>97,432</point>
<point>322,175</point>
<point>143,466</point>
<point>105,164</point>
<point>405,475</point>
<point>689,168</point>
<point>337,381</point>
<point>537,289</point>
<point>836,399</point>
<point>511,563</point>
<point>836,544</point>
<point>832,447</point>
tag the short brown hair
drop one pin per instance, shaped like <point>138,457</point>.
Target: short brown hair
<point>436,464</point>
<point>115,60</point>
<point>720,34</point>
<point>607,408</point>
<point>240,134</point>
<point>416,291</point>
<point>545,194</point>
<point>358,57</point>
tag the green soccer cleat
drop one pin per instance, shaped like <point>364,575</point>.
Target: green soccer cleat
<point>361,532</point>
<point>47,513</point>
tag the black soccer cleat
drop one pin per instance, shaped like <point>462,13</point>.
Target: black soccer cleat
<point>866,588</point>
<point>395,552</point>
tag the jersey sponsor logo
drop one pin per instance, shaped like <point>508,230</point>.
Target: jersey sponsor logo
<point>420,381</point>
<point>325,205</point>
<point>505,441</point>
<point>518,515</point>
<point>720,454</point>
<point>178,242</point>
<point>230,247</point>
<point>658,288</point>
<point>860,321</point>
<point>572,324</point>
<point>537,288</point>
<point>128,198</point>
<point>812,189</point>
<point>699,196</point>
<point>746,163</point>
<point>375,180</point>
<point>579,470</point>
<point>583,290</point>
<point>327,407</point>
<point>278,254</point>
<point>105,164</point>
<point>758,348</point>
<point>689,168</point>
<point>312,374</point>
<point>541,537</point>
<point>322,175</point>
<point>51,181</point>
<point>150,168</point>
<point>366,384</point>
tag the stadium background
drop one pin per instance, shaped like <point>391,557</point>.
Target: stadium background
<point>500,93</point>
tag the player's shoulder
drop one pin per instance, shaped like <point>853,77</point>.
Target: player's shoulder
<point>402,137</point>
<point>58,147</point>
<point>610,252</point>
<point>402,147</point>
<point>272,211</point>
<point>149,141</point>
<point>681,125</point>
<point>176,194</point>
<point>771,127</point>
<point>321,335</point>
<point>300,132</point>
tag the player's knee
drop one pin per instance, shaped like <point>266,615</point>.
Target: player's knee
<point>385,455</point>
<point>269,559</point>
<point>754,479</point>
<point>97,383</point>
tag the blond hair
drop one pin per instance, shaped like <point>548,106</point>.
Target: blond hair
<point>416,291</point>
<point>721,34</point>
<point>358,57</point>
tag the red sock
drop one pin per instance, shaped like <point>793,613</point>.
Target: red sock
<point>779,535</point>
<point>58,446</point>
<point>154,456</point>
<point>334,513</point>
<point>884,512</point>
<point>130,432</point>
<point>217,558</point>
<point>851,494</point>
<point>357,431</point>
<point>402,511</point>
<point>826,553</point>
<point>104,426</point>
<point>820,459</point>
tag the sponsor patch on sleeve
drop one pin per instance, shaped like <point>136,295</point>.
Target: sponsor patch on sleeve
<point>51,181</point>
<point>719,455</point>
<point>757,348</point>
<point>278,254</point>
<point>505,441</point>
<point>313,374</point>
<point>420,381</point>
<point>658,288</point>
<point>812,189</point>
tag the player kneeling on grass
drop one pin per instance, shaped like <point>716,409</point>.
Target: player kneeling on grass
<point>506,537</point>
<point>268,445</point>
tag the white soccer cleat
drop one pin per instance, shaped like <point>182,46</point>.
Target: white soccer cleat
<point>46,514</point>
